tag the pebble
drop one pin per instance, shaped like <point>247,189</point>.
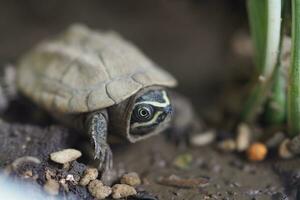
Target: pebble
<point>294,145</point>
<point>65,156</point>
<point>131,179</point>
<point>283,150</point>
<point>203,139</point>
<point>51,187</point>
<point>122,191</point>
<point>227,145</point>
<point>89,175</point>
<point>275,140</point>
<point>25,159</point>
<point>243,137</point>
<point>98,190</point>
<point>257,152</point>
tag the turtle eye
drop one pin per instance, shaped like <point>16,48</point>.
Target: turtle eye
<point>143,113</point>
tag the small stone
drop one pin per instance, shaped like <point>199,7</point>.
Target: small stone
<point>132,179</point>
<point>257,152</point>
<point>122,191</point>
<point>49,174</point>
<point>70,178</point>
<point>227,145</point>
<point>64,184</point>
<point>25,159</point>
<point>51,187</point>
<point>90,174</point>
<point>98,190</point>
<point>203,139</point>
<point>283,150</point>
<point>243,137</point>
<point>65,156</point>
<point>27,174</point>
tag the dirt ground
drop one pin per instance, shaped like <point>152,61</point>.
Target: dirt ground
<point>229,175</point>
<point>192,40</point>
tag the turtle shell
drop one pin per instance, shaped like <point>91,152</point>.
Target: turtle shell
<point>83,70</point>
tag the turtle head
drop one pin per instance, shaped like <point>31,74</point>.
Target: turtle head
<point>151,113</point>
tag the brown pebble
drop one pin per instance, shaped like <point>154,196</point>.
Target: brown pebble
<point>132,179</point>
<point>51,187</point>
<point>90,174</point>
<point>122,191</point>
<point>65,156</point>
<point>98,190</point>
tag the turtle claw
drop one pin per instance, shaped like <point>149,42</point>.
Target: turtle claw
<point>105,157</point>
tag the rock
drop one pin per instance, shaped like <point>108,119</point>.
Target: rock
<point>131,179</point>
<point>257,151</point>
<point>283,150</point>
<point>90,174</point>
<point>122,191</point>
<point>25,159</point>
<point>51,187</point>
<point>65,156</point>
<point>275,140</point>
<point>98,190</point>
<point>203,139</point>
<point>227,145</point>
<point>243,137</point>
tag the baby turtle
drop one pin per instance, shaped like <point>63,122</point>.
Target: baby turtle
<point>100,83</point>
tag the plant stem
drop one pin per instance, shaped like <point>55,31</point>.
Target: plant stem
<point>261,89</point>
<point>294,73</point>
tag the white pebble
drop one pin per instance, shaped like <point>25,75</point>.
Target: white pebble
<point>243,137</point>
<point>65,156</point>
<point>203,139</point>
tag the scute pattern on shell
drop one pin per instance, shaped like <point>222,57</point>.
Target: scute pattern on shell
<point>83,70</point>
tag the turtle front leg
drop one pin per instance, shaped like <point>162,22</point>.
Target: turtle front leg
<point>96,126</point>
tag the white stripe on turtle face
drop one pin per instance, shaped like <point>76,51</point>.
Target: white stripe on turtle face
<point>137,124</point>
<point>157,104</point>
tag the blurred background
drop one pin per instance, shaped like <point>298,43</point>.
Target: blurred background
<point>192,39</point>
